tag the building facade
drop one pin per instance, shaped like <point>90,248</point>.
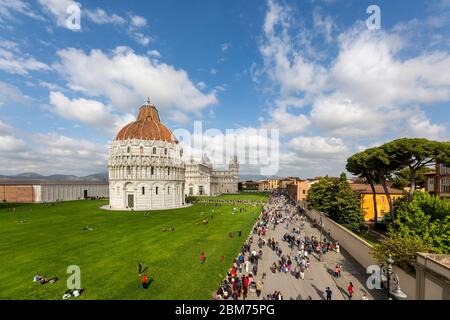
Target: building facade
<point>42,191</point>
<point>283,183</point>
<point>366,199</point>
<point>145,165</point>
<point>298,190</point>
<point>202,180</point>
<point>250,185</point>
<point>438,182</point>
<point>263,185</point>
<point>268,184</point>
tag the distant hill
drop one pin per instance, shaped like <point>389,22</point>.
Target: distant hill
<point>255,177</point>
<point>103,176</point>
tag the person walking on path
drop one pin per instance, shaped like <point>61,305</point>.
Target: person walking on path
<point>337,271</point>
<point>139,268</point>
<point>258,288</point>
<point>350,291</point>
<point>328,293</point>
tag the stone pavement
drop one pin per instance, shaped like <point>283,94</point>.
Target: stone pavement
<point>318,278</point>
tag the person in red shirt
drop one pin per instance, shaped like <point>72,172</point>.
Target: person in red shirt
<point>202,257</point>
<point>244,287</point>
<point>350,290</point>
<point>144,281</point>
<point>233,271</point>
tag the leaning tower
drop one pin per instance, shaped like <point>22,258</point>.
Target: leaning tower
<point>233,168</point>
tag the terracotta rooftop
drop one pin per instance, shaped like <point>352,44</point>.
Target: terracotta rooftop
<point>147,126</point>
<point>365,188</point>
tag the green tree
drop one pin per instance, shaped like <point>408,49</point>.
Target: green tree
<point>426,218</point>
<point>335,197</point>
<point>413,154</point>
<point>401,178</point>
<point>403,250</point>
<point>359,165</point>
<point>383,167</point>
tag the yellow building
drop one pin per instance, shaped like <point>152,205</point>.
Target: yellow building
<point>273,183</point>
<point>366,198</point>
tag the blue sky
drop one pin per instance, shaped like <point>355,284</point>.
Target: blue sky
<point>309,68</point>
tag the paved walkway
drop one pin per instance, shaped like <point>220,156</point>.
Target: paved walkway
<point>318,278</point>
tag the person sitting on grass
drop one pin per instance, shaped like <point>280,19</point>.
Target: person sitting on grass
<point>146,281</point>
<point>202,257</point>
<point>53,279</point>
<point>67,294</point>
<point>37,278</point>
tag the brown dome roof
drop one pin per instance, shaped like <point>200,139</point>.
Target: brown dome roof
<point>148,126</point>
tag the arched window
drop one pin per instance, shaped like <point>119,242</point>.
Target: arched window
<point>128,171</point>
<point>165,151</point>
<point>141,149</point>
<point>156,190</point>
<point>154,150</point>
<point>168,171</point>
<point>143,190</point>
<point>152,170</point>
<point>128,149</point>
<point>168,190</point>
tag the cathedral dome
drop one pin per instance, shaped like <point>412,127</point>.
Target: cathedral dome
<point>147,126</point>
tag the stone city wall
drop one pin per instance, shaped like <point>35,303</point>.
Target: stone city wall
<point>360,249</point>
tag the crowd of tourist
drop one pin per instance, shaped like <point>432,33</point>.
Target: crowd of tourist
<point>279,212</point>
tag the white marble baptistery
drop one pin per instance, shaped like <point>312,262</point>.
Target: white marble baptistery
<point>146,169</point>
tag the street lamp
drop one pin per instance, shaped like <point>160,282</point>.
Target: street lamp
<point>392,280</point>
<point>389,262</point>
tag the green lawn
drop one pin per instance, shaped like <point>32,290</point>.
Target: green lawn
<point>250,196</point>
<point>52,238</point>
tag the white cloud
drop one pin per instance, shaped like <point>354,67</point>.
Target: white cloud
<point>126,79</point>
<point>20,152</point>
<point>225,46</point>
<point>370,78</point>
<point>90,112</point>
<point>11,144</point>
<point>5,129</point>
<point>12,94</point>
<point>138,21</point>
<point>141,38</point>
<point>283,63</point>
<point>286,122</point>
<point>324,25</point>
<point>368,70</point>
<point>17,63</point>
<point>58,9</point>
<point>319,147</point>
<point>179,117</point>
<point>100,16</point>
<point>7,7</point>
<point>154,54</point>
<point>418,125</point>
<point>201,85</point>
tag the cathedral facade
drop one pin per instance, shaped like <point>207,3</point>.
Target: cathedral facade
<point>203,180</point>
